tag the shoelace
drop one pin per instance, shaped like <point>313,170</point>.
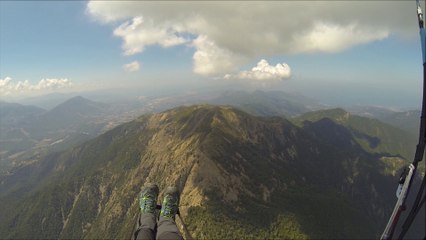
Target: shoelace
<point>170,207</point>
<point>148,203</point>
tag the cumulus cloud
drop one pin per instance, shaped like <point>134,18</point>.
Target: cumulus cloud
<point>5,82</point>
<point>330,37</point>
<point>50,84</point>
<point>132,67</point>
<point>263,72</point>
<point>226,35</point>
<point>7,86</point>
<point>209,59</point>
<point>138,33</point>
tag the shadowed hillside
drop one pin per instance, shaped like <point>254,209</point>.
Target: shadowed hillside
<point>240,177</point>
<point>373,135</point>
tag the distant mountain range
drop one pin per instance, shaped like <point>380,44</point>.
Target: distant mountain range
<point>326,174</point>
<point>405,120</point>
<point>13,116</point>
<point>28,130</point>
<point>78,119</point>
<point>373,135</point>
<point>271,103</point>
<point>70,114</point>
<point>73,112</point>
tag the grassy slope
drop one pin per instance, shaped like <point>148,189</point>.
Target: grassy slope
<point>241,177</point>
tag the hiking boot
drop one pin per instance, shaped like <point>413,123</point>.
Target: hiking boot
<point>148,198</point>
<point>170,204</point>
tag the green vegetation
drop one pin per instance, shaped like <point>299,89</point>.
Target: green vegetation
<point>374,136</point>
<point>305,213</point>
<point>240,176</point>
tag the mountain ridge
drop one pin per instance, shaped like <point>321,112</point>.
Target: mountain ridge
<point>374,136</point>
<point>72,112</point>
<point>229,166</point>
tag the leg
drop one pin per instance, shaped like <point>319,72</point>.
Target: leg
<point>167,228</point>
<point>147,226</point>
<point>147,220</point>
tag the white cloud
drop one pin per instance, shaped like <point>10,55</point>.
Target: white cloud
<point>138,33</point>
<point>263,72</point>
<point>209,59</point>
<point>5,82</point>
<point>329,37</point>
<point>227,34</point>
<point>51,84</point>
<point>132,67</point>
<point>7,87</point>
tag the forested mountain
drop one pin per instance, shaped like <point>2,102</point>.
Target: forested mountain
<point>405,120</point>
<point>269,103</point>
<point>14,136</point>
<point>28,131</point>
<point>240,176</point>
<point>372,134</point>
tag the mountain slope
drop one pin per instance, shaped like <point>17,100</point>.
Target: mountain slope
<point>374,136</point>
<point>405,120</point>
<point>71,113</point>
<point>239,176</point>
<point>15,112</point>
<point>408,121</point>
<point>14,138</point>
<point>13,117</point>
<point>27,132</point>
<point>270,103</point>
<point>34,124</point>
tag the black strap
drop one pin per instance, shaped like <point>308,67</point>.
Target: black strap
<point>420,198</point>
<point>417,205</point>
<point>420,149</point>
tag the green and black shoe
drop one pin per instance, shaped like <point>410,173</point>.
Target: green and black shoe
<point>148,198</point>
<point>170,204</point>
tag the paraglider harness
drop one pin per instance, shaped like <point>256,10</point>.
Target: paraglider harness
<point>409,173</point>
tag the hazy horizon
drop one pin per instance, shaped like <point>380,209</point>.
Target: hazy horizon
<point>340,53</point>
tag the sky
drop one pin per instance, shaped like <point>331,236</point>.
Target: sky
<point>348,52</point>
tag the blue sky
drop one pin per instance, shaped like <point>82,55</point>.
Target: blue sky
<point>54,40</point>
<point>364,57</point>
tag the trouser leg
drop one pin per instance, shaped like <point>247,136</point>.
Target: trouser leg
<point>147,224</point>
<point>167,229</point>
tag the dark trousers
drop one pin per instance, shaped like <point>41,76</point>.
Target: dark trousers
<point>150,230</point>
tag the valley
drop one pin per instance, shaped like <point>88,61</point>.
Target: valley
<point>264,177</point>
